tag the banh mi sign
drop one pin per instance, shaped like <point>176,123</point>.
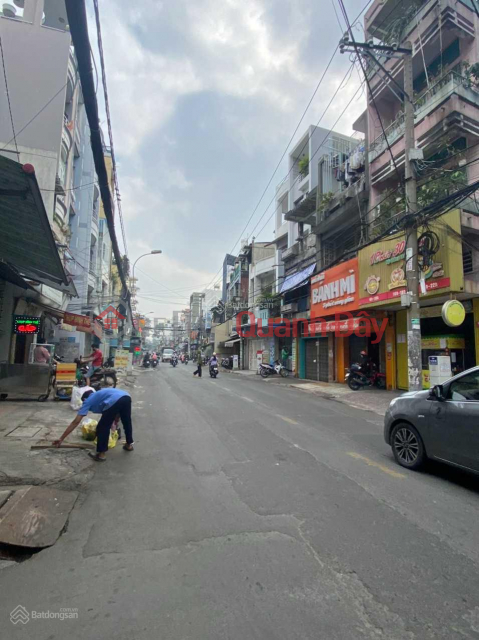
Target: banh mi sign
<point>335,290</point>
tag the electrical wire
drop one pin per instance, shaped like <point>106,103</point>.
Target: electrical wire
<point>108,117</point>
<point>8,97</point>
<point>287,147</point>
<point>341,4</point>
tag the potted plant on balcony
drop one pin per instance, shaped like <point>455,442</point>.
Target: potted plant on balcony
<point>303,166</point>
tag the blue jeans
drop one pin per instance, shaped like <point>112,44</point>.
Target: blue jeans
<point>91,371</point>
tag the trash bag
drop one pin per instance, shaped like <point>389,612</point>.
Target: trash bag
<point>112,440</point>
<point>88,429</point>
<point>77,392</point>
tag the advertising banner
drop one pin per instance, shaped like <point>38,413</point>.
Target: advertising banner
<point>335,290</point>
<point>382,266</point>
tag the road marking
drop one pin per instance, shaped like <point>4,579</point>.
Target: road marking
<point>371,463</point>
<point>245,398</point>
<point>287,419</point>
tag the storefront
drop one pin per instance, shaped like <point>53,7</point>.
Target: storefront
<point>325,345</point>
<point>382,277</point>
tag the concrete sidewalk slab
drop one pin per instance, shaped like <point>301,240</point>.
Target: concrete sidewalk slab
<point>35,517</point>
<point>376,400</point>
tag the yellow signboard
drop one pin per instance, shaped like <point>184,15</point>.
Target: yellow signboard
<point>443,342</point>
<point>382,266</point>
<point>121,359</point>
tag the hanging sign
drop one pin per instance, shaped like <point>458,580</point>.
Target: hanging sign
<point>29,325</point>
<point>453,313</point>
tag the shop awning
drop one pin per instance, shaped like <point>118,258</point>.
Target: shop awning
<point>231,343</point>
<point>9,274</point>
<point>27,241</point>
<point>296,279</point>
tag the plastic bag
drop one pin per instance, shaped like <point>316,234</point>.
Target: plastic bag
<point>88,429</point>
<point>77,392</point>
<point>112,440</point>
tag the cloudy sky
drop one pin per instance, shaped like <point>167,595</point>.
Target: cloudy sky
<point>204,97</point>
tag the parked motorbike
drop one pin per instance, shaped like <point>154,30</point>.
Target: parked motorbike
<point>103,377</point>
<point>267,370</point>
<point>357,379</point>
<point>214,370</point>
<point>227,363</point>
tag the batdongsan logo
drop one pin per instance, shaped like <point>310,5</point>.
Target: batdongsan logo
<point>110,317</point>
<point>21,615</point>
<point>343,325</point>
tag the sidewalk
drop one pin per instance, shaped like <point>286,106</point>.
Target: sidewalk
<point>27,423</point>
<point>370,399</point>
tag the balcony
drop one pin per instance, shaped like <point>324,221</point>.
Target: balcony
<point>343,209</point>
<point>445,22</point>
<point>290,252</point>
<point>304,209</point>
<point>67,136</point>
<point>443,91</point>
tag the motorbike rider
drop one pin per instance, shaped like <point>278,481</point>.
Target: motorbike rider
<point>146,358</point>
<point>96,359</point>
<point>365,363</point>
<point>213,360</point>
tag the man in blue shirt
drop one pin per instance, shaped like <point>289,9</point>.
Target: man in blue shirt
<point>110,403</point>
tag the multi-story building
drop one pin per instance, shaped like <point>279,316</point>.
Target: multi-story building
<point>319,171</point>
<point>228,267</point>
<point>38,54</point>
<point>211,298</point>
<point>443,35</point>
<point>262,302</point>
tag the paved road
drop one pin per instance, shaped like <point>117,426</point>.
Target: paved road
<point>250,510</point>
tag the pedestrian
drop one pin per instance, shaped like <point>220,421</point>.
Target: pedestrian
<point>199,362</point>
<point>285,356</point>
<point>110,403</point>
<point>41,355</point>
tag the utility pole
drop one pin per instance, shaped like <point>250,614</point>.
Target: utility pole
<point>410,229</point>
<point>411,155</point>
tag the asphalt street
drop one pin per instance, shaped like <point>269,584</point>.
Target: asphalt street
<point>252,510</point>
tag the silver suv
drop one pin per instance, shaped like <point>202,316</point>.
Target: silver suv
<point>441,423</point>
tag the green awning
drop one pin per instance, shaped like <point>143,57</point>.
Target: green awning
<point>26,238</point>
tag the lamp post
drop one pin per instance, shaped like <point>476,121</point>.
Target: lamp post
<point>150,253</point>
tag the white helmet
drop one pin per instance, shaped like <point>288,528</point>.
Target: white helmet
<point>214,353</point>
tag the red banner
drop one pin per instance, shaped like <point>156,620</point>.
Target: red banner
<point>442,283</point>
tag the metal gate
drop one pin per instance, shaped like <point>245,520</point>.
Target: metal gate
<point>317,366</point>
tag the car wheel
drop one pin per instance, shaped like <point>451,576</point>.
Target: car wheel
<point>407,446</point>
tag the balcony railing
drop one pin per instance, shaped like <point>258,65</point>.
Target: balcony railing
<point>448,83</point>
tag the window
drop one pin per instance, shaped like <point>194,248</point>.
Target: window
<point>466,389</point>
<point>467,263</point>
<point>283,207</point>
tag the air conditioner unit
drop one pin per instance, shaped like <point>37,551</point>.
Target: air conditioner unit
<point>289,308</point>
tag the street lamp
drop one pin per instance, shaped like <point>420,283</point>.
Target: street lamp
<point>150,253</point>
